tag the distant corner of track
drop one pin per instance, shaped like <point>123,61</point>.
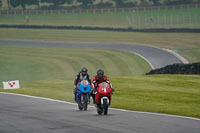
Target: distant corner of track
<point>181,58</point>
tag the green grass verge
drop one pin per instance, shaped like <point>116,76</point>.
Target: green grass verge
<point>162,18</point>
<point>186,44</point>
<point>30,63</point>
<point>171,94</point>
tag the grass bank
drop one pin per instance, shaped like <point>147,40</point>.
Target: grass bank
<point>31,63</point>
<point>171,94</point>
<point>185,44</point>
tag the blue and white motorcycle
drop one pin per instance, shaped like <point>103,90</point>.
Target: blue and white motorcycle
<point>83,95</point>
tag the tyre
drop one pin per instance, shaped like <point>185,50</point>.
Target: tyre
<point>105,110</point>
<point>99,109</point>
<point>85,102</point>
<point>105,107</point>
<point>80,107</point>
<point>99,112</point>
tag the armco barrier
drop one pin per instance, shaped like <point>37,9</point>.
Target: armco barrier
<point>181,30</point>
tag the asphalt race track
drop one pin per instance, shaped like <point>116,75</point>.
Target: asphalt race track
<point>156,57</point>
<point>21,114</point>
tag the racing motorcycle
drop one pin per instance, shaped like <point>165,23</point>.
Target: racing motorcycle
<point>83,95</point>
<point>103,98</point>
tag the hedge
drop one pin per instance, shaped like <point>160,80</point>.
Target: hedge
<point>181,30</point>
<point>193,68</point>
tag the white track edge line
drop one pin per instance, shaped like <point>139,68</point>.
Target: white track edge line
<point>123,110</point>
<point>181,58</point>
<point>143,58</point>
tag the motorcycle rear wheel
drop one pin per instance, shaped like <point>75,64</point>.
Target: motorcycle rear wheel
<point>80,107</point>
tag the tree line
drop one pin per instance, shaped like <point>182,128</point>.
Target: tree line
<point>57,4</point>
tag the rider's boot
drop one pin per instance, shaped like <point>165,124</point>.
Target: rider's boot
<point>93,97</point>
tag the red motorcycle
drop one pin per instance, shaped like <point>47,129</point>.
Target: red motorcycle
<point>103,98</point>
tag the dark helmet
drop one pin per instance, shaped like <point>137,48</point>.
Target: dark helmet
<point>84,69</point>
<point>100,73</point>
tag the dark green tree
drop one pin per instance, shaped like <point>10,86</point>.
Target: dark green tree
<point>146,3</point>
<point>8,3</point>
<point>157,2</point>
<point>126,3</point>
<point>0,3</point>
<point>15,3</point>
<point>119,3</point>
<point>178,2</point>
<point>57,2</point>
<point>23,3</point>
<point>86,3</point>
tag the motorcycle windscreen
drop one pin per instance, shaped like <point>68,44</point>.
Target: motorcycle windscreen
<point>104,84</point>
<point>84,82</point>
<point>84,86</point>
<point>104,88</point>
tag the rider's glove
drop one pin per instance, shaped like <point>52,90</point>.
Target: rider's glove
<point>112,89</point>
<point>95,91</point>
<point>75,88</point>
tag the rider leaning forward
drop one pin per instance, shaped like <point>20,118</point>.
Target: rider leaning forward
<point>97,79</point>
<point>82,75</point>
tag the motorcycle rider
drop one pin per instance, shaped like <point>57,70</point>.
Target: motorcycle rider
<point>82,75</point>
<point>98,79</point>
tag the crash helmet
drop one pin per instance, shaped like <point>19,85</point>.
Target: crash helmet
<point>100,73</point>
<point>84,70</point>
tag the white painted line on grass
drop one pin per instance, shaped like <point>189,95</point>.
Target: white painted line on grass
<point>123,110</point>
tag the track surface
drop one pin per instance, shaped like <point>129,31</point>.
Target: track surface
<point>20,114</point>
<point>155,56</point>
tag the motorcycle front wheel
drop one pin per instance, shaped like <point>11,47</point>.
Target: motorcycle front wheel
<point>85,102</point>
<point>105,107</point>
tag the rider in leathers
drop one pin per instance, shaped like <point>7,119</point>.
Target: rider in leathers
<point>82,75</point>
<point>98,79</point>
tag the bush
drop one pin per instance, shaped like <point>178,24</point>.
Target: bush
<point>193,68</point>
